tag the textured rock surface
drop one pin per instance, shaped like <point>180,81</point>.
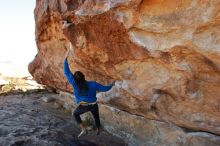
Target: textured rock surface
<point>25,120</point>
<point>169,45</point>
<point>139,131</point>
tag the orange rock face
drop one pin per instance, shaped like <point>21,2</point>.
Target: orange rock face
<point>172,47</point>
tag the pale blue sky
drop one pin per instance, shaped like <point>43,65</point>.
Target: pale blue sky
<point>17,27</point>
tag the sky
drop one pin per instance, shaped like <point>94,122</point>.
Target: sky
<point>17,31</point>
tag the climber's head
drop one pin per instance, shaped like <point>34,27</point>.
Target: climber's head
<point>81,82</point>
<point>79,77</point>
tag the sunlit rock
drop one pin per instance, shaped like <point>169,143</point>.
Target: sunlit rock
<point>171,46</point>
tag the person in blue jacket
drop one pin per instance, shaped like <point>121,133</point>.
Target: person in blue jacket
<point>85,96</point>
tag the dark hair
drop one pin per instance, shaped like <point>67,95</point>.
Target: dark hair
<point>81,83</point>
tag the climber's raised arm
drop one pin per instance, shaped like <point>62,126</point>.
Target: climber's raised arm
<point>67,71</point>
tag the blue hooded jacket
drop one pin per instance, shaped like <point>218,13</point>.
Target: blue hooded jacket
<point>93,86</point>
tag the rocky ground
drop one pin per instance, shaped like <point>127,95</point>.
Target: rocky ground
<point>27,120</point>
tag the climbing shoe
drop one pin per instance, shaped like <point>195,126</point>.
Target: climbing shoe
<point>82,133</point>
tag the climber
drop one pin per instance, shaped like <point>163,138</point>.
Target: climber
<point>85,96</point>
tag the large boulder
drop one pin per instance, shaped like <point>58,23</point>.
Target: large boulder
<point>168,46</point>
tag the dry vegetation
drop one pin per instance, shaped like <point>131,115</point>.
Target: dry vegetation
<point>19,85</point>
